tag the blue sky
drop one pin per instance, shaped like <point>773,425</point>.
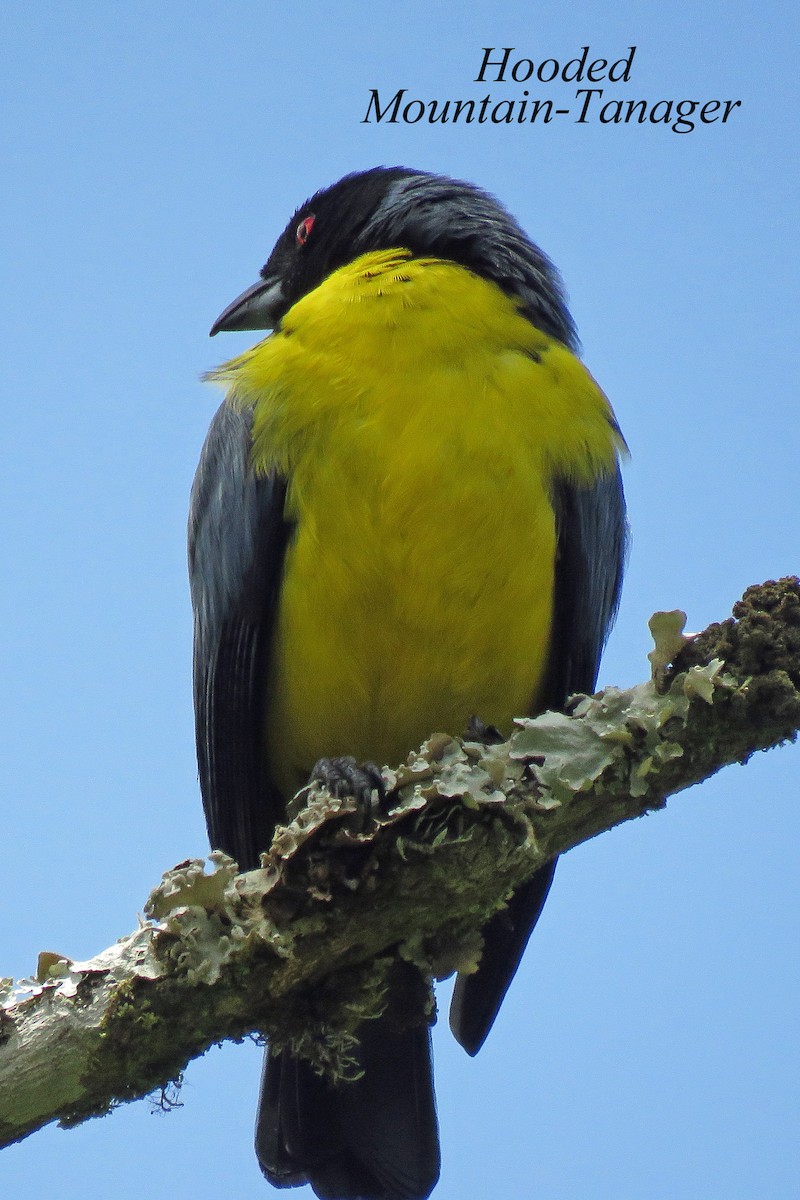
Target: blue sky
<point>152,153</point>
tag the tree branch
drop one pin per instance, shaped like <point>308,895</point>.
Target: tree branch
<point>298,950</point>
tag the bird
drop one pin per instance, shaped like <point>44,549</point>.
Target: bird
<point>408,515</point>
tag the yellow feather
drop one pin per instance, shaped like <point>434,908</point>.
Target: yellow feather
<point>420,420</point>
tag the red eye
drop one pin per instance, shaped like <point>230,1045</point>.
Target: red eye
<point>304,229</point>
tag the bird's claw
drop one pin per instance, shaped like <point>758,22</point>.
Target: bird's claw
<point>344,776</point>
<point>478,731</point>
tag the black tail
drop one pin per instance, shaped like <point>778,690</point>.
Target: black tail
<point>477,997</point>
<point>375,1138</point>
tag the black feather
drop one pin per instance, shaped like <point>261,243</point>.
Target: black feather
<point>370,1139</point>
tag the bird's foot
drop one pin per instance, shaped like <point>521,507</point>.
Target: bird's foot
<point>477,731</point>
<point>345,777</point>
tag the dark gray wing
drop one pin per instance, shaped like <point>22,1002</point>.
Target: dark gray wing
<point>592,542</point>
<point>237,544</point>
<point>592,538</point>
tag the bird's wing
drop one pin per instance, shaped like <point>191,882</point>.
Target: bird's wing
<point>592,540</point>
<point>237,542</point>
<point>591,544</point>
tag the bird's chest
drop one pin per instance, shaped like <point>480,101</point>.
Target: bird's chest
<point>420,421</point>
<point>418,588</point>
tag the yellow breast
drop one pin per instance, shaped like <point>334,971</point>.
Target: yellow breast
<point>420,420</point>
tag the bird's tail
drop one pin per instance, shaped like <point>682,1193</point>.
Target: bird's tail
<point>372,1138</point>
<point>477,997</point>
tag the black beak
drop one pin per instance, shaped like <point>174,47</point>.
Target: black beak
<point>256,308</point>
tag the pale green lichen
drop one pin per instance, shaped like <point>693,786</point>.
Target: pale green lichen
<point>577,749</point>
<point>189,885</point>
<point>447,767</point>
<point>666,629</point>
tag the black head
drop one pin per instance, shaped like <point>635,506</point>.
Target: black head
<point>396,207</point>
